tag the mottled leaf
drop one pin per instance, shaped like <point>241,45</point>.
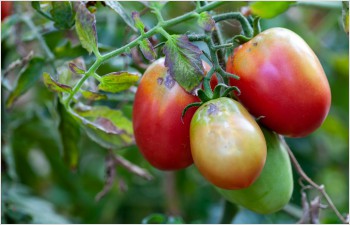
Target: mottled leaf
<point>75,69</point>
<point>107,127</point>
<point>54,85</point>
<point>118,8</point>
<point>85,25</point>
<point>147,49</point>
<point>206,21</point>
<point>93,95</point>
<point>62,14</point>
<point>138,23</point>
<point>27,78</point>
<point>183,61</point>
<point>269,9</point>
<point>70,135</point>
<point>346,16</point>
<point>117,81</point>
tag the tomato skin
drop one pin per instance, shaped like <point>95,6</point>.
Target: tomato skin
<point>227,145</point>
<point>6,8</point>
<point>274,187</point>
<point>161,136</point>
<point>281,81</point>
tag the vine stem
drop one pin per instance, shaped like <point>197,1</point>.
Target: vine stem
<point>159,27</point>
<point>320,188</point>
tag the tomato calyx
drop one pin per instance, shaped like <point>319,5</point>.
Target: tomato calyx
<point>220,90</point>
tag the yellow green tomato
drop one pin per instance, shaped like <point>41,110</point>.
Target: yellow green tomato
<point>273,189</point>
<point>227,145</point>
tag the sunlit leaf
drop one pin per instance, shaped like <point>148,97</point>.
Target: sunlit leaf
<point>55,86</point>
<point>118,8</point>
<point>27,78</point>
<point>183,61</point>
<point>107,127</point>
<point>117,81</point>
<point>138,23</point>
<point>269,9</point>
<point>70,135</point>
<point>93,95</point>
<point>147,49</point>
<point>206,21</point>
<point>62,13</point>
<point>85,25</point>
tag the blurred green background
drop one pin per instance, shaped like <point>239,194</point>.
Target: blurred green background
<point>39,187</point>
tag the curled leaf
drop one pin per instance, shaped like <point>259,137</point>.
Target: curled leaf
<point>85,25</point>
<point>183,61</point>
<point>75,69</point>
<point>54,85</point>
<point>117,81</point>
<point>269,9</point>
<point>93,95</point>
<point>118,8</point>
<point>147,49</point>
<point>206,21</point>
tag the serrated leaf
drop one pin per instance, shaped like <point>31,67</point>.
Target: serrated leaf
<point>147,49</point>
<point>183,61</point>
<point>75,69</point>
<point>54,85</point>
<point>62,14</point>
<point>70,135</point>
<point>118,8</point>
<point>93,95</point>
<point>269,9</point>
<point>27,78</point>
<point>85,25</point>
<point>107,127</point>
<point>345,13</point>
<point>117,81</point>
<point>206,21</point>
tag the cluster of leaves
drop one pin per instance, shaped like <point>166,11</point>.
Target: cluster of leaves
<point>67,38</point>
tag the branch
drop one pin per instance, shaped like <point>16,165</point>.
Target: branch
<point>119,160</point>
<point>320,188</point>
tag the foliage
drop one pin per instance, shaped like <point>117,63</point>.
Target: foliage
<point>69,73</point>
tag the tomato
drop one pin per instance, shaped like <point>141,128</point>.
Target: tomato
<point>6,8</point>
<point>281,81</point>
<point>274,187</point>
<point>228,146</point>
<point>161,136</point>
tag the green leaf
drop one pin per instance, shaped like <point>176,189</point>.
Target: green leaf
<point>118,8</point>
<point>206,21</point>
<point>346,16</point>
<point>55,86</point>
<point>27,78</point>
<point>85,25</point>
<point>62,14</point>
<point>269,10</point>
<point>93,95</point>
<point>183,61</point>
<point>107,127</point>
<point>70,135</point>
<point>138,23</point>
<point>75,69</point>
<point>67,51</point>
<point>36,5</point>
<point>158,218</point>
<point>147,49</point>
<point>117,81</point>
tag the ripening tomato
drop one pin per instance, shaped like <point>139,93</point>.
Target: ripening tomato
<point>274,187</point>
<point>282,82</point>
<point>6,8</point>
<point>228,146</point>
<point>161,136</point>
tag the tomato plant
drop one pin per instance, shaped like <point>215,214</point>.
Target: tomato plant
<point>227,145</point>
<point>159,132</point>
<point>274,187</point>
<point>282,82</point>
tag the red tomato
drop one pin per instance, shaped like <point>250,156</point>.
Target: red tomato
<point>228,146</point>
<point>6,8</point>
<point>281,81</point>
<point>159,132</point>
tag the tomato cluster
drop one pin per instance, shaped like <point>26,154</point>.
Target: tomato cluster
<point>282,85</point>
